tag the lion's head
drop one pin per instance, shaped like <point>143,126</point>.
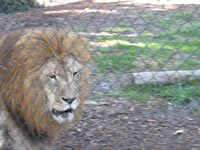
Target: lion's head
<point>44,77</point>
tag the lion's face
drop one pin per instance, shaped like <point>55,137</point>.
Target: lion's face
<point>61,83</point>
<point>48,78</point>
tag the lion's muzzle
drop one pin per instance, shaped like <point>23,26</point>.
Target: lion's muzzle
<point>66,113</point>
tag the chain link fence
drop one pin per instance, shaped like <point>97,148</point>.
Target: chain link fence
<point>144,64</point>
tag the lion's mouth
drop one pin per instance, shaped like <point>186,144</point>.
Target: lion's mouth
<point>58,113</point>
<point>67,114</point>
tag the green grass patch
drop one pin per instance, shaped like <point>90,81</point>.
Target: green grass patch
<point>179,21</point>
<point>146,34</point>
<point>118,29</point>
<point>190,30</point>
<point>167,23</point>
<point>124,24</point>
<point>81,29</point>
<point>120,56</point>
<point>178,93</point>
<point>190,62</point>
<point>114,37</point>
<point>118,61</point>
<point>149,16</point>
<point>178,36</point>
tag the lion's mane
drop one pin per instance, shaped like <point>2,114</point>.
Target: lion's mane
<point>22,52</point>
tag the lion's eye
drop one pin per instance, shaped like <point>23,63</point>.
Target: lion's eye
<point>75,74</point>
<point>52,76</point>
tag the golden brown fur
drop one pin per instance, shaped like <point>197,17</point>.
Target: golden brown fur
<point>22,53</point>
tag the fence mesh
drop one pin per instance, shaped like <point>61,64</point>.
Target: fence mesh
<point>143,58</point>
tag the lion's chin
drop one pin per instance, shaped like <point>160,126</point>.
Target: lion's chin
<point>63,116</point>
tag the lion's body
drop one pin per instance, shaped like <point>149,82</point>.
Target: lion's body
<point>44,80</point>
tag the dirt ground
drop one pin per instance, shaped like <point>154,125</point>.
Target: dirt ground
<point>108,123</point>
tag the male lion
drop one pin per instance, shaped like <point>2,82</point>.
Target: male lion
<point>44,79</point>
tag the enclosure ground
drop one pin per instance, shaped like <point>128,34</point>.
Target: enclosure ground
<point>109,122</point>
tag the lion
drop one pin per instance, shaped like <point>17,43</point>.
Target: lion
<point>44,79</point>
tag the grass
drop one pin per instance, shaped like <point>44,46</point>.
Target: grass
<point>123,27</point>
<point>80,29</point>
<point>180,35</point>
<point>118,29</point>
<point>117,62</point>
<point>154,47</point>
<point>189,63</point>
<point>178,93</point>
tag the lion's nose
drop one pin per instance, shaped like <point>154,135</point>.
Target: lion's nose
<point>69,100</point>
